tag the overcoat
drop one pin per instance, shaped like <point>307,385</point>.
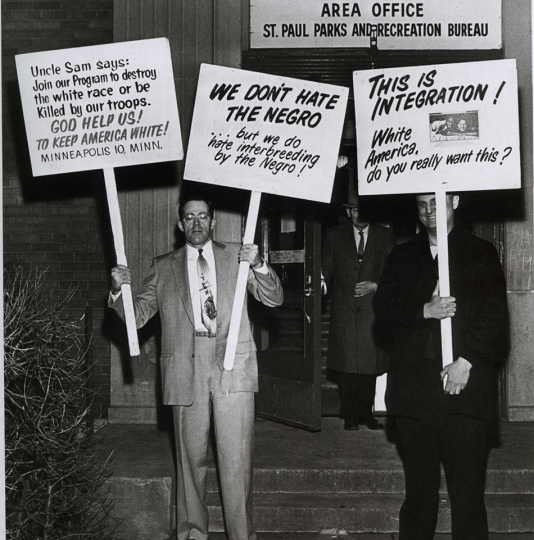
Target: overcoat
<point>479,326</point>
<point>357,344</point>
<point>166,290</point>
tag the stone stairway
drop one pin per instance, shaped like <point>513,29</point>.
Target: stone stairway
<point>306,482</point>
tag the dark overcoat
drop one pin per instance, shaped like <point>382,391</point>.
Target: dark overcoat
<point>479,326</point>
<point>356,342</point>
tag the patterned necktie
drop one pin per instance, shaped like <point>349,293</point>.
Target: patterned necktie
<point>361,245</point>
<point>207,302</point>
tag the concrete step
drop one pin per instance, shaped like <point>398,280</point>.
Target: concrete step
<point>376,513</point>
<point>359,481</point>
<point>325,535</point>
<point>309,481</point>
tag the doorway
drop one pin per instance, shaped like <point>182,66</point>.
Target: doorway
<point>289,337</point>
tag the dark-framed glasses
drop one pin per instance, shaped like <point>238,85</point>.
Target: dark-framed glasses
<point>202,217</point>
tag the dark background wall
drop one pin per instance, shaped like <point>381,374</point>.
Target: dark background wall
<point>59,222</point>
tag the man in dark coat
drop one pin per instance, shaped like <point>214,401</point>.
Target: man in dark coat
<point>354,255</point>
<point>436,422</point>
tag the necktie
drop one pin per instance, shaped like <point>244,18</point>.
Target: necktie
<point>361,246</point>
<point>209,311</point>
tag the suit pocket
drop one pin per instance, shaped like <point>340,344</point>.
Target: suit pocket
<point>245,347</point>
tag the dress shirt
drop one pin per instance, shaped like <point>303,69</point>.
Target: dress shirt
<point>365,231</point>
<point>194,285</point>
<point>192,257</point>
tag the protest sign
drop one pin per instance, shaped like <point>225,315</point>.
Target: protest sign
<point>266,134</point>
<point>432,24</point>
<point>454,126</point>
<point>437,129</point>
<point>101,107</point>
<point>98,107</point>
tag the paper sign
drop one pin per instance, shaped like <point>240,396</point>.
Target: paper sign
<point>428,128</point>
<point>286,256</point>
<point>100,107</point>
<point>265,133</point>
<point>432,24</point>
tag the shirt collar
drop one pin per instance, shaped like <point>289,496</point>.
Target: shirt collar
<point>207,250</point>
<point>365,229</point>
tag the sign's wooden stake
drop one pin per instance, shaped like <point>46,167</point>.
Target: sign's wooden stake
<point>118,238</point>
<point>241,286</point>
<point>443,269</point>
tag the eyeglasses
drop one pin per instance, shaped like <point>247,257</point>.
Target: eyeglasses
<point>202,217</point>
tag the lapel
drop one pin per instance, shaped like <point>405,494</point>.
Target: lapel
<point>428,266</point>
<point>181,276</point>
<point>423,248</point>
<point>455,241</point>
<point>349,240</point>
<point>370,246</point>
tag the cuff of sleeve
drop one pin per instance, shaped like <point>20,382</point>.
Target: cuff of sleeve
<point>113,296</point>
<point>420,316</point>
<point>262,268</point>
<point>473,358</point>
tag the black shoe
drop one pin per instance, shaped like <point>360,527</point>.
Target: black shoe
<point>372,424</point>
<point>351,426</point>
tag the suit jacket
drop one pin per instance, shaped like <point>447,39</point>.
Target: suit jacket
<point>357,343</point>
<point>166,289</point>
<point>479,326</point>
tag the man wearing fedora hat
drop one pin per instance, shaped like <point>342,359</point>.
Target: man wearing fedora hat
<point>354,256</point>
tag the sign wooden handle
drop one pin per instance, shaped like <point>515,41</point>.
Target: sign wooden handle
<point>118,238</point>
<point>443,270</point>
<point>241,286</point>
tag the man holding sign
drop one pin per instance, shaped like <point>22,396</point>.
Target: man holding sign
<point>443,415</point>
<point>192,288</point>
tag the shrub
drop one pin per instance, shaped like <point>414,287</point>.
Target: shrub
<point>55,481</point>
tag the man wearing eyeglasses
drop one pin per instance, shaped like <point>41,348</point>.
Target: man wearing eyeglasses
<point>193,288</point>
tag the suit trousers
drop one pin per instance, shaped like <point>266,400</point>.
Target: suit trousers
<point>461,443</point>
<point>233,419</point>
<point>357,395</point>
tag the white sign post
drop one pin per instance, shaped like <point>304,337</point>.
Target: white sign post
<point>266,134</point>
<point>438,129</point>
<point>101,107</point>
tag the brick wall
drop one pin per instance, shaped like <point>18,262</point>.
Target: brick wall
<point>57,223</point>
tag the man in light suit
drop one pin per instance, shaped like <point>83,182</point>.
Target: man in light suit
<point>354,255</point>
<point>192,288</point>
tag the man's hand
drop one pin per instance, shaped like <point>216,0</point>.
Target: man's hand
<point>440,307</point>
<point>250,254</point>
<point>120,274</point>
<point>364,287</point>
<point>457,375</point>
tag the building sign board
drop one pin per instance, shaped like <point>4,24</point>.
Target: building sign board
<point>408,25</point>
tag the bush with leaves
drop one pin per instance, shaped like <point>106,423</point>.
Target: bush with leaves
<point>55,482</point>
